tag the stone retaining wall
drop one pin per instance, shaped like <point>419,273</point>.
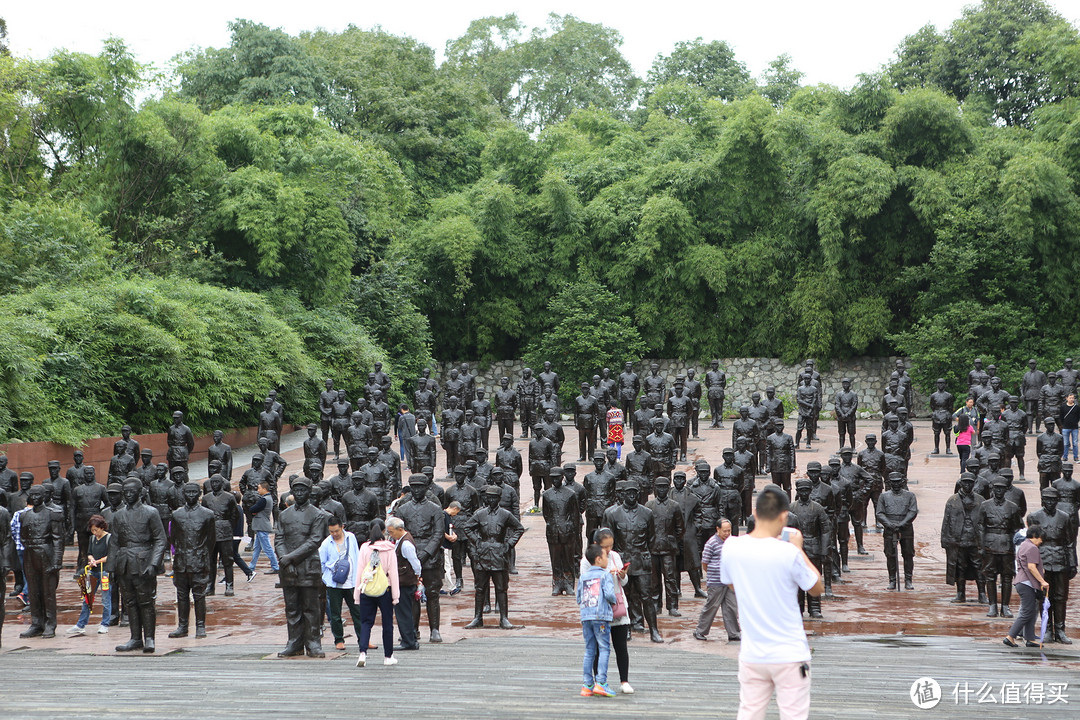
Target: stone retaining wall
<point>869,377</point>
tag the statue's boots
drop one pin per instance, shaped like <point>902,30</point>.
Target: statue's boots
<point>183,609</point>
<point>814,605</point>
<point>991,591</point>
<point>148,617</point>
<point>200,617</point>
<point>960,592</point>
<point>982,591</point>
<point>892,582</point>
<point>1059,634</point>
<point>433,611</point>
<point>504,621</point>
<point>478,617</point>
<point>907,583</point>
<point>229,590</point>
<point>859,530</point>
<point>695,581</point>
<point>1006,595</point>
<point>844,557</point>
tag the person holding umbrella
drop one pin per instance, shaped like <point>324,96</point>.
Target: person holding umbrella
<point>1030,585</point>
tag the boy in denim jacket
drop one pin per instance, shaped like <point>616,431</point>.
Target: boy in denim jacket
<point>596,597</point>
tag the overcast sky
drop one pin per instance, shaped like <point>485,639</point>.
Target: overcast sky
<point>832,41</point>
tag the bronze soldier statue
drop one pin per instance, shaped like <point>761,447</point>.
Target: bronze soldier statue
<point>194,537</point>
<point>995,522</point>
<point>814,526</point>
<point>139,549</point>
<point>896,510</point>
<point>666,546</point>
<point>492,533</point>
<point>562,518</point>
<point>635,530</point>
<point>716,387</point>
<point>424,520</point>
<point>629,385</point>
<point>1058,552</point>
<point>300,530</point>
<point>41,534</point>
<point>961,543</point>
<point>505,406</point>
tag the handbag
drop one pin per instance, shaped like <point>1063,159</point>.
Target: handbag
<point>341,568</point>
<point>619,611</point>
<point>374,582</point>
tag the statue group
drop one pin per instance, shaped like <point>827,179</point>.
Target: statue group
<point>659,515</point>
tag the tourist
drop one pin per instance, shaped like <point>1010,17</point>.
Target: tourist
<point>377,591</point>
<point>405,428</point>
<point>965,437</point>
<point>620,622</point>
<point>970,411</point>
<point>340,555</point>
<point>615,422</point>
<point>1070,421</point>
<point>97,558</point>
<point>409,571</point>
<point>1031,586</point>
<point>261,526</point>
<point>596,600</point>
<point>767,574</point>
<point>721,597</point>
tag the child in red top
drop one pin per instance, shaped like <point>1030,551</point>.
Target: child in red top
<point>615,428</point>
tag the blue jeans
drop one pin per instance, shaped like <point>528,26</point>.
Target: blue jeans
<point>597,642</point>
<point>103,596</point>
<point>1070,438</point>
<point>262,544</point>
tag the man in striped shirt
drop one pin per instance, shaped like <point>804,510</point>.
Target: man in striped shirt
<point>721,597</point>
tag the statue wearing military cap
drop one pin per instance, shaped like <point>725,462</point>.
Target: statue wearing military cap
<point>492,533</point>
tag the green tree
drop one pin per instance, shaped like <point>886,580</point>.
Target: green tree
<point>261,65</point>
<point>711,66</point>
<point>780,81</point>
<point>569,65</point>
<point>1011,56</point>
<point>485,54</point>
<point>611,338</point>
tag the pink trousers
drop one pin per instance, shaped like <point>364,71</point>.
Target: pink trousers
<point>757,681</point>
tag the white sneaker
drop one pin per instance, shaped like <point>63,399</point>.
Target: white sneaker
<point>362,660</point>
<point>103,630</point>
<point>76,630</point>
<point>626,689</point>
<point>389,661</point>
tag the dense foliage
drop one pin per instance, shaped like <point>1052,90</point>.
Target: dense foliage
<point>290,207</point>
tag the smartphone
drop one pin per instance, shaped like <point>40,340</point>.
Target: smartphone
<point>626,566</point>
<point>787,533</point>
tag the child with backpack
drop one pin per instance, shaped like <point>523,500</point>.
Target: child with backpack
<point>596,598</point>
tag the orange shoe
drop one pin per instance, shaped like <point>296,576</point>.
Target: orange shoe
<point>586,691</point>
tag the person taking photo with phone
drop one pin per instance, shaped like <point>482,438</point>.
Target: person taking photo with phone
<point>767,568</point>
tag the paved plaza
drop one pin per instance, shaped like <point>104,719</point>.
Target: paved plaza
<point>868,650</point>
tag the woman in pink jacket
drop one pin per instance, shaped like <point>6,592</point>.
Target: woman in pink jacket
<point>384,602</point>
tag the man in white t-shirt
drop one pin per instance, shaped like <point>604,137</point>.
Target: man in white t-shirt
<point>767,568</point>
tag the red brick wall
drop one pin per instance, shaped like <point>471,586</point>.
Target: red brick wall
<point>35,456</point>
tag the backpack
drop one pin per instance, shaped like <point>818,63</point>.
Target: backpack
<point>342,568</point>
<point>374,582</point>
